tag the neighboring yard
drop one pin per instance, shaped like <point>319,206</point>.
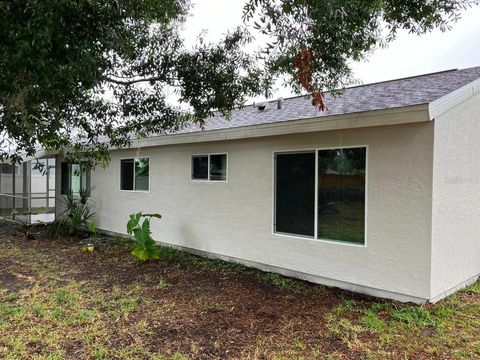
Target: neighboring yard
<point>57,301</point>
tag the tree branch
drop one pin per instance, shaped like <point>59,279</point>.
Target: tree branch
<point>135,81</point>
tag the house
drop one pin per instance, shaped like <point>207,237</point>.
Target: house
<point>379,194</point>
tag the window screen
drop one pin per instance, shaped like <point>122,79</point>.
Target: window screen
<point>218,167</point>
<point>295,193</point>
<point>341,194</point>
<point>200,167</point>
<point>142,169</point>
<point>75,179</point>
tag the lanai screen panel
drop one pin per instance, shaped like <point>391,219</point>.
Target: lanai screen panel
<point>14,190</point>
<point>27,191</point>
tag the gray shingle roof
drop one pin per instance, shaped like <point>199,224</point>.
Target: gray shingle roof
<point>409,91</point>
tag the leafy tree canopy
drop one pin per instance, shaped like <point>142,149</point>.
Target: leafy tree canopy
<point>103,69</point>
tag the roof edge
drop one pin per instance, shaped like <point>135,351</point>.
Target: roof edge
<point>381,117</point>
<point>443,104</point>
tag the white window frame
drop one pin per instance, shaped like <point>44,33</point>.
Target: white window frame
<point>208,180</point>
<point>315,231</point>
<point>120,173</point>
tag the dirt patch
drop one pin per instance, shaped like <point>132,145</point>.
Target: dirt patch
<point>107,305</point>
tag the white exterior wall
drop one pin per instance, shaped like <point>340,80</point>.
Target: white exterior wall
<point>456,198</point>
<point>234,219</point>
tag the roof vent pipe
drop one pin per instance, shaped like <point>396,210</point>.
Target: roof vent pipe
<point>279,103</point>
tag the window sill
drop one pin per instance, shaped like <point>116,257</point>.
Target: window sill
<point>325,241</point>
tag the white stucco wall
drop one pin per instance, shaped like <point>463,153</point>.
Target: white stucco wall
<point>456,198</point>
<point>234,219</point>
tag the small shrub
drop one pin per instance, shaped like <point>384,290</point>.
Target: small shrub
<point>77,217</point>
<point>145,247</point>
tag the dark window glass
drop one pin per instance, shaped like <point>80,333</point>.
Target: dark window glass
<point>142,169</point>
<point>200,167</point>
<point>218,167</point>
<point>341,194</point>
<point>64,179</point>
<point>295,193</point>
<point>126,174</point>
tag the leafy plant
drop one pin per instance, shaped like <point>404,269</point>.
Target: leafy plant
<point>145,247</point>
<point>78,215</point>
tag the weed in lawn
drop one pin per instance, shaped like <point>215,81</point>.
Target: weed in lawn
<point>9,310</point>
<point>63,296</point>
<point>100,353</point>
<point>55,356</point>
<point>167,253</point>
<point>176,356</point>
<point>161,285</point>
<point>39,309</point>
<point>412,316</point>
<point>372,322</point>
<point>220,266</point>
<point>10,297</point>
<point>386,338</point>
<point>128,304</point>
<point>342,328</point>
<point>280,281</point>
<point>473,289</point>
<point>299,344</point>
<point>345,306</point>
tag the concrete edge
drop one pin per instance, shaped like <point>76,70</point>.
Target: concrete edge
<point>444,294</point>
<point>385,294</point>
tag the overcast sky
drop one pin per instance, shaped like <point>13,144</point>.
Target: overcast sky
<point>408,55</point>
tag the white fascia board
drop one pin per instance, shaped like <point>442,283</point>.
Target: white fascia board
<point>42,154</point>
<point>446,102</point>
<point>404,115</point>
<point>382,117</point>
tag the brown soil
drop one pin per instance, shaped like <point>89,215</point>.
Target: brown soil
<point>210,313</point>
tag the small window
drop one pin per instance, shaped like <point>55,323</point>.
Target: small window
<point>75,179</point>
<point>209,167</point>
<point>135,174</point>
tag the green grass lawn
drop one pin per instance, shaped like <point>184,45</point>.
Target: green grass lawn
<point>59,302</point>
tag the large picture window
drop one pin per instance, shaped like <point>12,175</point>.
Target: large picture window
<point>135,174</point>
<point>337,186</point>
<point>75,179</point>
<point>211,167</point>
